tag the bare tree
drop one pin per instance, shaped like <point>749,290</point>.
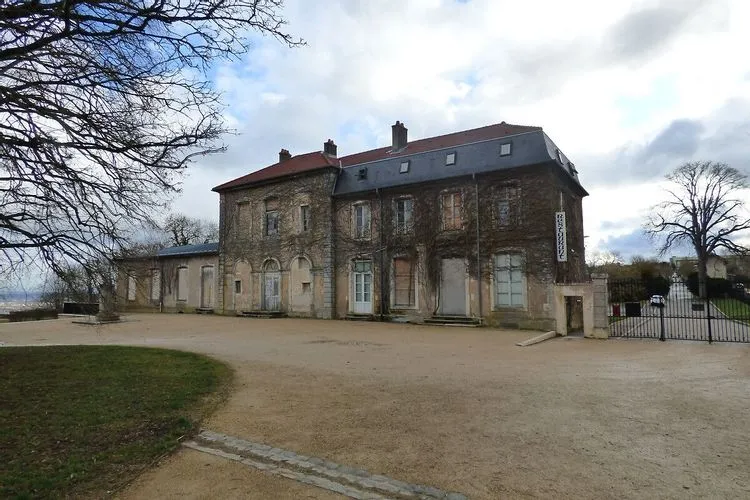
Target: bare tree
<point>102,105</point>
<point>184,230</point>
<point>703,210</point>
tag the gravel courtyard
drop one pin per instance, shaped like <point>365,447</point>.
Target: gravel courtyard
<point>456,408</point>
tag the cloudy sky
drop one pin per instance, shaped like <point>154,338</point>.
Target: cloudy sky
<point>627,89</point>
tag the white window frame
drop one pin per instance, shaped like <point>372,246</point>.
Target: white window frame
<point>363,231</point>
<point>450,158</point>
<point>404,167</point>
<point>506,149</point>
<point>406,225</point>
<point>503,262</point>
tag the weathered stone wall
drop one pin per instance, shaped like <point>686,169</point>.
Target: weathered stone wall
<point>531,233</point>
<point>247,251</point>
<point>141,271</point>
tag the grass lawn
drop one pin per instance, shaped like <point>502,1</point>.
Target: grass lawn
<point>82,421</point>
<point>733,309</point>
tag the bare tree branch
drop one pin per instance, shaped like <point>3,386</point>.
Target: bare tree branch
<point>103,104</point>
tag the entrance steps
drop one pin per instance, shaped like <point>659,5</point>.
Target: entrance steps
<point>261,314</point>
<point>446,320</point>
<point>360,317</point>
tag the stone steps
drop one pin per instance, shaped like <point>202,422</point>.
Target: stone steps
<point>446,320</point>
<point>261,314</point>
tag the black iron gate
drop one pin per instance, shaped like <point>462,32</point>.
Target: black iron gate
<point>673,309</point>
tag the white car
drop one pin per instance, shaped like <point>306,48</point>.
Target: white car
<point>657,300</point>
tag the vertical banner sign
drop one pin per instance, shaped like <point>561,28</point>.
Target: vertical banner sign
<point>561,242</point>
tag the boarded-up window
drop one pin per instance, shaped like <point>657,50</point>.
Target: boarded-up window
<point>155,284</point>
<point>452,211</point>
<point>403,271</point>
<point>131,288</point>
<point>182,283</point>
<point>510,280</point>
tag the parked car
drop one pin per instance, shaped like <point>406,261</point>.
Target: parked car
<point>657,301</point>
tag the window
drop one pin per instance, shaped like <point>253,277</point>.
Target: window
<point>362,220</point>
<point>237,286</point>
<point>404,282</point>
<point>362,281</point>
<point>505,149</point>
<point>452,208</point>
<point>272,217</point>
<point>508,207</point>
<point>510,280</point>
<point>560,157</point>
<point>404,167</point>
<point>572,168</point>
<point>362,174</point>
<point>403,215</point>
<point>182,283</point>
<point>450,158</point>
<point>305,216</point>
<point>131,288</point>
<point>155,284</point>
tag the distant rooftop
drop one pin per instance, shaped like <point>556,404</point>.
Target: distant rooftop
<point>200,249</point>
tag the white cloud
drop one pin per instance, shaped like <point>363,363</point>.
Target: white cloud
<point>603,78</point>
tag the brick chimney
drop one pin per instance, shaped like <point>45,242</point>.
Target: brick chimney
<point>399,136</point>
<point>330,148</point>
<point>284,155</point>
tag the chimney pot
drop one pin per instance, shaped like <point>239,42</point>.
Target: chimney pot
<point>330,148</point>
<point>399,135</point>
<point>284,155</point>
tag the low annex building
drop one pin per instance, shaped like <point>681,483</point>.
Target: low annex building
<point>479,224</point>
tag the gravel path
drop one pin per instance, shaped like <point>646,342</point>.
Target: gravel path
<point>460,409</point>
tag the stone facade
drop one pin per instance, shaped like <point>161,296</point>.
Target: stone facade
<point>524,228</point>
<point>461,225</point>
<point>181,283</point>
<point>275,247</point>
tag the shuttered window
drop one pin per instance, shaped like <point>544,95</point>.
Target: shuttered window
<point>404,285</point>
<point>452,211</point>
<point>182,283</point>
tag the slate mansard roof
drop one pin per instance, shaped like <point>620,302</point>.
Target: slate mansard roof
<point>476,151</point>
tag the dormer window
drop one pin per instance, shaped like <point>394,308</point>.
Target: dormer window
<point>404,167</point>
<point>362,174</point>
<point>572,168</point>
<point>450,158</point>
<point>505,149</point>
<point>560,157</point>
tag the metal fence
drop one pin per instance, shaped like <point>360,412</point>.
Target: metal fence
<point>636,310</point>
